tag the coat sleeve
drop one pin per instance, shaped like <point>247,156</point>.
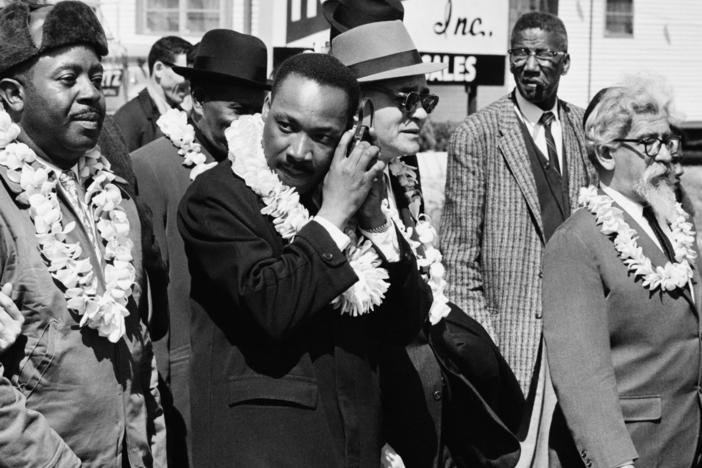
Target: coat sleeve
<point>151,204</point>
<point>236,266</point>
<point>579,354</point>
<point>407,302</point>
<point>26,439</point>
<point>462,221</point>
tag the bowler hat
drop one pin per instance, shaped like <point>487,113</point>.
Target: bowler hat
<point>380,51</point>
<point>346,14</point>
<point>228,56</point>
<point>28,30</point>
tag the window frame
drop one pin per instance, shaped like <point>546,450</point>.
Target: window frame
<point>608,14</point>
<point>224,14</point>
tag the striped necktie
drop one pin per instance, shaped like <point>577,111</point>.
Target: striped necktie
<point>546,119</point>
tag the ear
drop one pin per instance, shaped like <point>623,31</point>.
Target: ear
<point>605,158</point>
<point>198,108</point>
<point>566,64</point>
<point>266,106</point>
<point>158,69</point>
<point>12,94</point>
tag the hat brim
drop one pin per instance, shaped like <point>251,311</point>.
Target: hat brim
<point>329,11</point>
<point>190,73</point>
<point>410,70</point>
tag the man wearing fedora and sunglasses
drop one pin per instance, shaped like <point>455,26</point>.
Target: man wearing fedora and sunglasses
<point>228,79</point>
<point>422,427</point>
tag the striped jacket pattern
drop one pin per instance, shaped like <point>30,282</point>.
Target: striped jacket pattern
<point>492,233</point>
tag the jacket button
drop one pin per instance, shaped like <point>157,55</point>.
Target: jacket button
<point>437,395</point>
<point>327,256</point>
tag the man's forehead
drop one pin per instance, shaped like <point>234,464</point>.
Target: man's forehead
<point>70,56</point>
<point>537,36</point>
<point>648,124</point>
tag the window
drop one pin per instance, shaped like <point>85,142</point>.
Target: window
<point>182,17</point>
<point>619,18</point>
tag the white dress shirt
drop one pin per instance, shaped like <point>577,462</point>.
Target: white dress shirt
<point>530,115</point>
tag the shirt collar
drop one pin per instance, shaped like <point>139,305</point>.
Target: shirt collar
<point>532,112</point>
<point>630,206</point>
<point>156,94</point>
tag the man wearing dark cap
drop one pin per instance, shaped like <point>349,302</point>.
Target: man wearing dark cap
<point>165,89</point>
<point>79,385</point>
<point>228,79</point>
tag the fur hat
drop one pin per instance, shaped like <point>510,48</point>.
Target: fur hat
<point>30,30</point>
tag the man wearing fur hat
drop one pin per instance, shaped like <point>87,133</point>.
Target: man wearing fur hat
<point>79,385</point>
<point>228,79</point>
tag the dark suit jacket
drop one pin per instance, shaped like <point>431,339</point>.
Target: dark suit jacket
<point>162,181</point>
<point>279,378</point>
<point>625,361</point>
<point>137,120</point>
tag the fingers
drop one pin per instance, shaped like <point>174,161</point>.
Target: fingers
<point>362,155</point>
<point>342,146</point>
<point>8,305</point>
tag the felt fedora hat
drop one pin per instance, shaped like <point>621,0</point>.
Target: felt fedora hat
<point>346,14</point>
<point>380,51</point>
<point>29,30</point>
<point>224,55</point>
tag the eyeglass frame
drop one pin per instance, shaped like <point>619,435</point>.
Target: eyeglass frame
<point>403,98</point>
<point>666,140</point>
<point>550,58</point>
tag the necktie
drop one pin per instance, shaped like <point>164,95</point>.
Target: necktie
<point>69,183</point>
<point>546,119</point>
<point>662,238</point>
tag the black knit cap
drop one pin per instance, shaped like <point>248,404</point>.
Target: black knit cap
<point>29,30</point>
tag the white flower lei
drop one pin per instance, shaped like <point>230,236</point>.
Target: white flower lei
<point>668,277</point>
<point>289,215</point>
<point>103,312</point>
<point>429,257</point>
<point>174,125</point>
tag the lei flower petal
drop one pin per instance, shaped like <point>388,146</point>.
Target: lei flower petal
<point>174,125</point>
<point>668,277</point>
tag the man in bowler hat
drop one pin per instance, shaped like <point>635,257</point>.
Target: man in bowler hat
<point>79,385</point>
<point>228,79</point>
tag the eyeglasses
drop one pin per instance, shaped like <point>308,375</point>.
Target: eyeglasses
<point>521,55</point>
<point>409,102</point>
<point>652,145</point>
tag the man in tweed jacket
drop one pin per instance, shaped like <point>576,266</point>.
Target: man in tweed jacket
<point>505,194</point>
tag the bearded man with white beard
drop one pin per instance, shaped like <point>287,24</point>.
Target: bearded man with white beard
<point>621,295</point>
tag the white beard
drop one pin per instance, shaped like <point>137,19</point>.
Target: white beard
<point>660,194</point>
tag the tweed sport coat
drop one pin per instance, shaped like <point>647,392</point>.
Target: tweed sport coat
<point>492,233</point>
<point>626,362</point>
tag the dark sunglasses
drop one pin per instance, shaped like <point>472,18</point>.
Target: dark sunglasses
<point>409,102</point>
